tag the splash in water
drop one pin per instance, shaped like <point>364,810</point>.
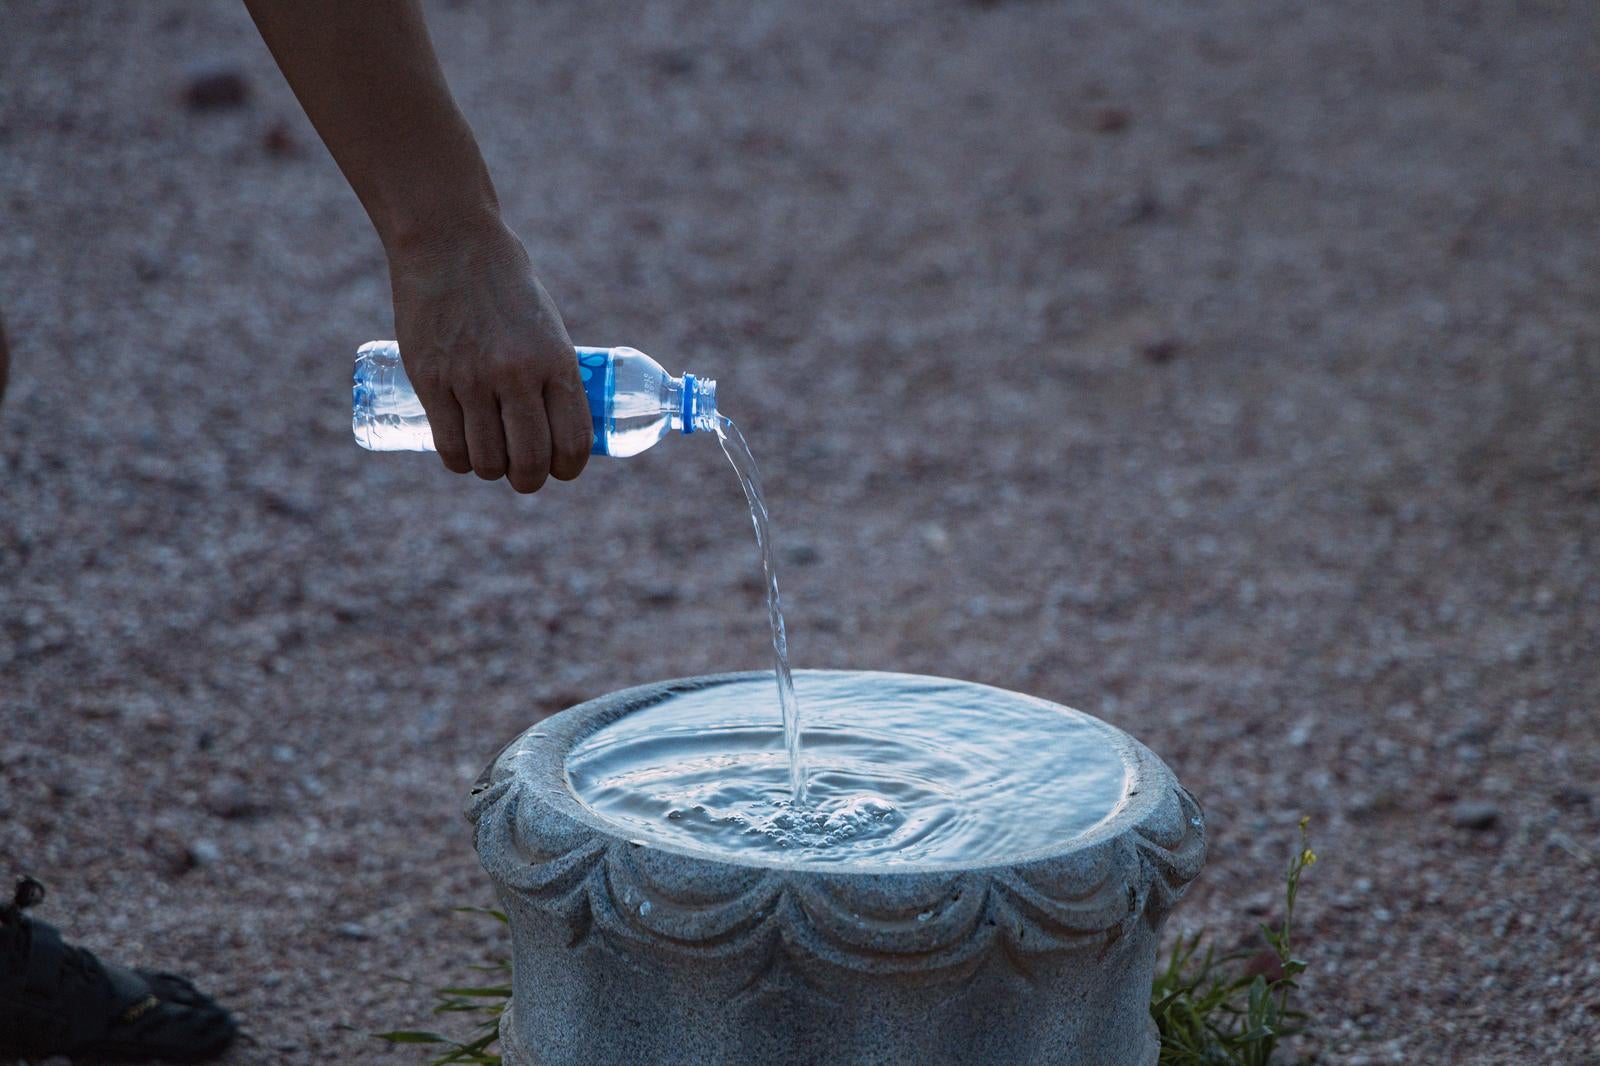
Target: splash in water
<point>911,771</point>
<point>744,464</point>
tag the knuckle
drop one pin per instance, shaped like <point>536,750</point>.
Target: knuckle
<point>567,388</point>
<point>452,450</point>
<point>424,368</point>
<point>447,435</point>
<point>433,394</point>
<point>575,447</point>
<point>569,469</point>
<point>564,373</point>
<point>471,380</point>
<point>577,436</point>
<point>489,462</point>
<point>528,477</point>
<point>519,395</point>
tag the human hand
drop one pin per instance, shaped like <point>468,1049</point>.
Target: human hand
<point>489,357</point>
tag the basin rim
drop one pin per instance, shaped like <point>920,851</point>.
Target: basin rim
<point>550,852</point>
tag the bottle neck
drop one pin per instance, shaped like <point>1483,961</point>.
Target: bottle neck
<point>697,412</point>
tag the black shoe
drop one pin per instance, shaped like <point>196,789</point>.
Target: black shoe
<point>56,999</point>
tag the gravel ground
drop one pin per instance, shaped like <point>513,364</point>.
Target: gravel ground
<point>1231,371</point>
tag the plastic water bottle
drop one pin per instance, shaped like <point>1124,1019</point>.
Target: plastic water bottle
<point>633,402</point>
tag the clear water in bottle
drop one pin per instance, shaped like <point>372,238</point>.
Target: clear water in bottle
<point>633,402</point>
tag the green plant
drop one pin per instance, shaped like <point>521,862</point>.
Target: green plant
<point>1229,1010</point>
<point>1232,1010</point>
<point>487,1001</point>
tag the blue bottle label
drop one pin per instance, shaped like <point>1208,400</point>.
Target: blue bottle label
<point>600,386</point>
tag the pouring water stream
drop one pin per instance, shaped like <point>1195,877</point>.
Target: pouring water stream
<point>744,464</point>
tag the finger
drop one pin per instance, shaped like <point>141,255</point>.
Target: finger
<point>571,429</point>
<point>486,439</point>
<point>449,436</point>
<point>527,444</point>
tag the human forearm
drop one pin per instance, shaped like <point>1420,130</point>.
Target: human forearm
<point>482,341</point>
<point>368,79</point>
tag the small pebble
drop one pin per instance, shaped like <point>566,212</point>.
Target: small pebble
<point>1265,964</point>
<point>1206,138</point>
<point>215,87</point>
<point>674,62</point>
<point>203,853</point>
<point>1161,351</point>
<point>1138,207</point>
<point>279,142</point>
<point>660,595</point>
<point>231,799</point>
<point>1111,120</point>
<point>1475,815</point>
<point>289,504</point>
<point>1571,797</point>
<point>803,555</point>
<point>148,268</point>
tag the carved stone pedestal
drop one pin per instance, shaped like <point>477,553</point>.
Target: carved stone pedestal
<point>631,955</point>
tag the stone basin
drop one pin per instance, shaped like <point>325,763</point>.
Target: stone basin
<point>640,953</point>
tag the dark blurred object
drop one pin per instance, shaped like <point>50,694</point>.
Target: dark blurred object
<point>1111,120</point>
<point>1141,206</point>
<point>674,62</point>
<point>279,142</point>
<point>1265,964</point>
<point>1475,815</point>
<point>215,87</point>
<point>5,358</point>
<point>230,799</point>
<point>148,267</point>
<point>803,555</point>
<point>1568,798</point>
<point>1162,350</point>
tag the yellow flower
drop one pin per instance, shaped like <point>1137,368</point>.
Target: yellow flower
<point>1308,857</point>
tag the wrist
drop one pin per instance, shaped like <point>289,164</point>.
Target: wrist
<point>434,239</point>
<point>421,210</point>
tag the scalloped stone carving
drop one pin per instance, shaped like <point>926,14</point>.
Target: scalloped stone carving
<point>628,953</point>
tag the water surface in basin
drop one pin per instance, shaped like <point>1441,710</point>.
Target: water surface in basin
<point>902,771</point>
